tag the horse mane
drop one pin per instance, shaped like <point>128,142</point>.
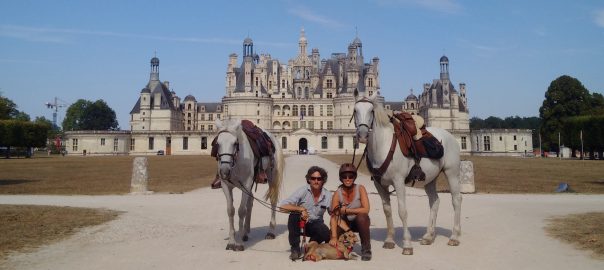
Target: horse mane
<point>382,116</point>
<point>231,126</point>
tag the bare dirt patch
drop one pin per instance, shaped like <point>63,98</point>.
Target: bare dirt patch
<point>521,175</point>
<point>585,231</point>
<point>102,175</point>
<point>25,227</point>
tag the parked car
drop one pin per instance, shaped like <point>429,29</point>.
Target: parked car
<point>160,153</point>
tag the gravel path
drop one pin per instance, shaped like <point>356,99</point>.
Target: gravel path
<point>189,231</point>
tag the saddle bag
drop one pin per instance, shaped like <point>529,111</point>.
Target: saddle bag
<point>434,149</point>
<point>407,122</point>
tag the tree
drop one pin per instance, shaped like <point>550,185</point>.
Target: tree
<point>8,109</point>
<point>565,97</point>
<point>86,115</point>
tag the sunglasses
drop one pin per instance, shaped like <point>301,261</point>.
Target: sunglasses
<point>316,178</point>
<point>347,176</point>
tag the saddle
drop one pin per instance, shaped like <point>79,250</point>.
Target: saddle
<point>405,129</point>
<point>261,143</point>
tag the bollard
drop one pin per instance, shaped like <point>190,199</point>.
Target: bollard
<point>466,177</point>
<point>140,176</point>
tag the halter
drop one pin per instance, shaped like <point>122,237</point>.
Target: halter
<point>232,155</point>
<point>354,112</point>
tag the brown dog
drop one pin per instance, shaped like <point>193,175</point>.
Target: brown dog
<point>343,250</point>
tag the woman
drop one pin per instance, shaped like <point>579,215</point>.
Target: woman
<point>350,206</point>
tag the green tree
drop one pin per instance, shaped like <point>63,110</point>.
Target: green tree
<point>8,109</point>
<point>565,97</point>
<point>87,115</point>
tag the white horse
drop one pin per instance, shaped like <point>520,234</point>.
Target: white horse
<point>236,164</point>
<point>373,127</point>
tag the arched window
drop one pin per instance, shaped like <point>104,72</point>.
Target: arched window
<point>303,110</point>
<point>295,110</point>
<point>311,110</point>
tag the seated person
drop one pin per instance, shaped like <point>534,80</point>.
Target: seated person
<point>308,203</point>
<point>350,206</point>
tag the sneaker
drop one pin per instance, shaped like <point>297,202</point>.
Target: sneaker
<point>366,255</point>
<point>295,255</point>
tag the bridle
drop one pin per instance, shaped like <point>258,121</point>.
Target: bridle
<point>233,155</point>
<point>354,112</point>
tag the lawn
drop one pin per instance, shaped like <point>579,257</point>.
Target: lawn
<point>522,175</point>
<point>102,175</point>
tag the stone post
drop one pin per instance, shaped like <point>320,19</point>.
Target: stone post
<point>140,176</point>
<point>466,179</point>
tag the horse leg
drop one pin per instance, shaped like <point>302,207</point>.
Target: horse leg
<point>452,174</point>
<point>383,192</point>
<point>228,194</point>
<point>242,215</point>
<point>402,212</point>
<point>434,201</point>
<point>248,218</point>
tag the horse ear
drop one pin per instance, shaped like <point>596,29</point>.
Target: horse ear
<point>218,124</point>
<point>374,96</point>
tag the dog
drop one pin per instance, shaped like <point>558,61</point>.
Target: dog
<point>343,250</point>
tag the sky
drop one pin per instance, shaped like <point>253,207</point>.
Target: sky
<point>506,52</point>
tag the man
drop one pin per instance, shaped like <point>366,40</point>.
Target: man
<point>308,203</point>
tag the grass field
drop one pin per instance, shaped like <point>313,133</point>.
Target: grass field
<point>522,175</point>
<point>585,231</point>
<point>102,175</point>
<point>25,227</point>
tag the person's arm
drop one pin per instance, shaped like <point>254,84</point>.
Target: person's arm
<point>364,209</point>
<point>292,203</point>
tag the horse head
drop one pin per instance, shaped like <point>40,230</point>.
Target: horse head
<point>227,146</point>
<point>363,115</point>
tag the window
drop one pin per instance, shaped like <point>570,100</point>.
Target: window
<point>329,124</point>
<point>324,142</point>
<point>282,95</point>
<point>295,110</point>
<point>283,84</point>
<point>370,82</point>
<point>188,108</point>
<point>515,147</point>
<point>103,141</point>
<point>151,143</point>
<point>463,143</point>
<point>329,110</point>
<point>257,112</point>
<point>311,124</point>
<point>256,81</point>
<point>185,143</point>
<point>132,141</point>
<point>370,93</point>
<point>320,110</point>
<point>204,142</point>
<point>514,137</point>
<point>311,110</point>
<point>210,117</point>
<point>295,125</point>
<point>115,144</point>
<point>210,127</point>
<point>202,127</point>
<point>202,117</point>
<point>500,138</point>
<point>329,95</point>
<point>329,84</point>
<point>340,142</point>
<point>321,125</point>
<point>487,143</point>
<point>74,145</point>
<point>303,110</point>
<point>218,116</point>
<point>302,124</point>
<point>283,142</point>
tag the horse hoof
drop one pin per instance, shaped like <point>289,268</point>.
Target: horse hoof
<point>407,251</point>
<point>270,236</point>
<point>245,238</point>
<point>426,241</point>
<point>238,248</point>
<point>230,247</point>
<point>453,242</point>
<point>388,245</point>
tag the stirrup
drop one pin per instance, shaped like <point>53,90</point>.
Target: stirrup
<point>415,174</point>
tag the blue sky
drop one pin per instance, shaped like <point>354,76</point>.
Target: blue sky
<point>507,52</point>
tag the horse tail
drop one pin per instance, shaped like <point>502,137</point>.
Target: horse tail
<point>272,193</point>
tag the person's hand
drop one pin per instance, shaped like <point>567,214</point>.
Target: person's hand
<point>304,214</point>
<point>343,210</point>
<point>333,242</point>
